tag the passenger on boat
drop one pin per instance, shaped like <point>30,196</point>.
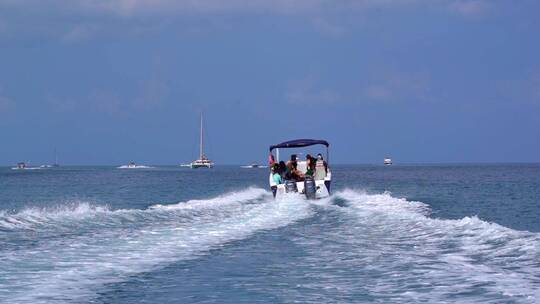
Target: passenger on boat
<point>296,174</point>
<point>321,168</point>
<point>276,175</point>
<point>310,165</point>
<point>271,160</point>
<point>290,166</point>
<point>282,169</point>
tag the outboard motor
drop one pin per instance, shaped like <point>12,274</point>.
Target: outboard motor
<point>290,186</point>
<point>310,188</point>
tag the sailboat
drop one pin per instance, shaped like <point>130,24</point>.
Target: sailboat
<point>55,162</point>
<point>202,162</point>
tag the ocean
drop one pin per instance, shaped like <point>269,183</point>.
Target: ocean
<point>395,234</point>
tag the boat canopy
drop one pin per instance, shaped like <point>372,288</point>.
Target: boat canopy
<point>299,143</point>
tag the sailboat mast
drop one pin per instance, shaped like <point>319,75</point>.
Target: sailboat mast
<point>201,143</point>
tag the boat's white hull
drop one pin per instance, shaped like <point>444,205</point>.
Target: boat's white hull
<point>26,168</point>
<point>134,167</point>
<point>196,166</point>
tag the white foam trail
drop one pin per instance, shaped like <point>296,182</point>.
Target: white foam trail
<point>445,256</point>
<point>35,217</point>
<point>72,269</point>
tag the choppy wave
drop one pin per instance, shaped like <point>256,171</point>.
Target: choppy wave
<point>425,259</point>
<point>389,247</point>
<point>125,242</point>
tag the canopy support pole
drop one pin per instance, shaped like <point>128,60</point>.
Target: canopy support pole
<point>327,155</point>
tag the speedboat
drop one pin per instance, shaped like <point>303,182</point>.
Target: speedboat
<point>132,165</point>
<point>20,166</point>
<point>387,161</point>
<point>313,186</point>
<point>253,166</point>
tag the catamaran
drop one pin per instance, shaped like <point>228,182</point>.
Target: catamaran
<point>202,162</point>
<point>55,165</point>
<point>311,183</point>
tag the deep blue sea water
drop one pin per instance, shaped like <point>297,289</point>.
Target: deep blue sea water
<point>396,234</point>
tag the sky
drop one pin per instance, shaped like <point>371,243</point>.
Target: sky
<point>107,82</point>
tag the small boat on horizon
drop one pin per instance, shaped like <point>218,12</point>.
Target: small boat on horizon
<point>387,161</point>
<point>133,165</point>
<point>54,165</point>
<point>253,165</point>
<point>20,166</point>
<point>24,166</point>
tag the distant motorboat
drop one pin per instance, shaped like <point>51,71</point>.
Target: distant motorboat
<point>20,166</point>
<point>253,166</point>
<point>387,161</point>
<point>24,166</point>
<point>133,165</point>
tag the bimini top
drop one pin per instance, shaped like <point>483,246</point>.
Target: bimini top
<point>298,143</point>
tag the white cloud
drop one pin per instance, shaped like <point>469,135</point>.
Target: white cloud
<point>328,28</point>
<point>377,91</point>
<point>389,86</point>
<point>81,32</point>
<point>536,88</point>
<point>309,91</point>
<point>393,86</point>
<point>73,21</point>
<point>469,7</point>
<point>6,104</point>
<point>129,8</point>
<point>153,93</point>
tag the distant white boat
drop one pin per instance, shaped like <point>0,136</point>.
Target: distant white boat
<point>203,161</point>
<point>253,166</point>
<point>20,166</point>
<point>387,161</point>
<point>24,166</point>
<point>132,165</point>
<point>54,165</point>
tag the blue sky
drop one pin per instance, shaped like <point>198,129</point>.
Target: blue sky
<point>107,82</point>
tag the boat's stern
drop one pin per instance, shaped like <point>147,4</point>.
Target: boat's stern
<point>308,189</point>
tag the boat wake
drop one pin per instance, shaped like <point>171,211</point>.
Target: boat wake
<point>389,247</point>
<point>425,259</point>
<point>78,248</point>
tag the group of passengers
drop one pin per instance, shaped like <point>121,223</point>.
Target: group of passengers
<point>316,168</point>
